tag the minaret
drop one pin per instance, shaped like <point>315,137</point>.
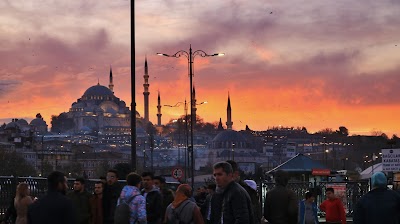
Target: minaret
<point>159,110</point>
<point>111,85</point>
<point>220,128</point>
<point>229,122</point>
<point>146,92</point>
<point>194,103</point>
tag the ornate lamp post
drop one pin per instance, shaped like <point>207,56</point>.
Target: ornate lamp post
<point>190,56</point>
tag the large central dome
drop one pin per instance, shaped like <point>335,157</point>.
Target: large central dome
<point>98,90</point>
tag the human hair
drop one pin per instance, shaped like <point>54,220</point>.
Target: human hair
<point>148,174</point>
<point>54,179</point>
<point>113,171</point>
<point>226,167</point>
<point>81,180</point>
<point>22,190</point>
<point>133,179</point>
<point>100,182</point>
<point>102,178</point>
<point>309,195</point>
<point>160,178</point>
<point>234,165</point>
<point>282,178</point>
<point>212,186</point>
<point>330,189</point>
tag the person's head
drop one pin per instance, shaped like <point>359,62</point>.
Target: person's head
<point>211,188</point>
<point>184,189</point>
<point>148,182</point>
<point>103,179</point>
<point>133,179</point>
<point>22,190</point>
<point>330,193</point>
<point>79,184</point>
<point>112,176</point>
<point>159,181</point>
<point>57,181</point>
<point>223,174</point>
<point>282,178</point>
<point>98,187</point>
<point>309,197</point>
<point>235,168</point>
<point>378,180</point>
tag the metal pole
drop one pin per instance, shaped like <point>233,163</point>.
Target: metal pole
<point>192,118</point>
<point>41,168</point>
<point>133,104</point>
<point>187,141</point>
<point>151,151</point>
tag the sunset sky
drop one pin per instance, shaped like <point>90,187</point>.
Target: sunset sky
<point>313,63</point>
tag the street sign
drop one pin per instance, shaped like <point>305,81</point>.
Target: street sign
<point>321,172</point>
<point>177,173</point>
<point>390,160</point>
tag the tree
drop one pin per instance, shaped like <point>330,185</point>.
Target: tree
<point>343,131</point>
<point>123,169</point>
<point>72,169</point>
<point>13,164</point>
<point>61,123</point>
<point>102,168</point>
<point>325,131</point>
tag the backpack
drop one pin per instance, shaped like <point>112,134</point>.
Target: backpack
<point>122,213</point>
<point>176,217</point>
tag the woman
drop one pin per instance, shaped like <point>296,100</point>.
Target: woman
<point>182,209</point>
<point>21,202</point>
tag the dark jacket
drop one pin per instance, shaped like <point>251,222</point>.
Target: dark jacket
<point>96,207</point>
<point>168,198</point>
<point>236,205</point>
<point>216,207</point>
<point>110,197</point>
<point>154,206</point>
<point>255,202</point>
<point>205,208</point>
<point>10,215</point>
<point>281,206</point>
<point>81,202</point>
<point>380,205</point>
<point>52,208</point>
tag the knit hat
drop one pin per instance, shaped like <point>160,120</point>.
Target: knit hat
<point>378,180</point>
<point>252,184</point>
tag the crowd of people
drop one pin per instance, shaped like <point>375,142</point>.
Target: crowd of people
<point>145,199</point>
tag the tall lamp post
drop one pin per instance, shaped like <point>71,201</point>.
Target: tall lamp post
<point>133,89</point>
<point>190,56</point>
<point>186,132</point>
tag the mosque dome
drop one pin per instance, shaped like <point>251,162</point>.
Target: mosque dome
<point>98,90</point>
<point>22,122</point>
<point>12,125</point>
<point>227,138</point>
<point>38,122</point>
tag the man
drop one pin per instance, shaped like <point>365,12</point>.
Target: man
<point>236,203</point>
<point>80,199</point>
<point>281,205</point>
<point>154,201</point>
<point>111,194</point>
<point>96,203</point>
<point>182,209</point>
<point>207,206</point>
<point>54,207</point>
<point>167,194</point>
<point>308,210</point>
<point>333,208</point>
<point>131,194</point>
<point>380,205</point>
<point>255,199</point>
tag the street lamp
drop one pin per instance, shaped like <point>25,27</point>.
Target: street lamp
<point>144,156</point>
<point>233,151</point>
<point>190,56</point>
<point>187,133</point>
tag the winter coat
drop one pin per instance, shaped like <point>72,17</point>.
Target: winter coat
<point>281,206</point>
<point>255,202</point>
<point>52,208</point>
<point>96,207</point>
<point>168,197</point>
<point>154,205</point>
<point>22,209</point>
<point>380,205</point>
<point>137,205</point>
<point>216,207</point>
<point>81,202</point>
<point>110,197</point>
<point>302,212</point>
<point>236,205</point>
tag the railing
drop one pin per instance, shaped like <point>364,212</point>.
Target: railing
<point>352,191</point>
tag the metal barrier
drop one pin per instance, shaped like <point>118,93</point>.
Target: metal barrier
<point>351,193</point>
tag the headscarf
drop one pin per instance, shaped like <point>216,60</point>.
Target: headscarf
<point>378,180</point>
<point>183,192</point>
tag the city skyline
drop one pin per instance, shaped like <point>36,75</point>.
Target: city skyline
<point>318,65</point>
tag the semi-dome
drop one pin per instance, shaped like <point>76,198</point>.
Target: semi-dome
<point>22,122</point>
<point>38,122</point>
<point>98,90</point>
<point>229,136</point>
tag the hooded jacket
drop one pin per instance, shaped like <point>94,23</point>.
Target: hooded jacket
<point>302,212</point>
<point>154,205</point>
<point>137,205</point>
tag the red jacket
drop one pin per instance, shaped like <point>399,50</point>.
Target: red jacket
<point>334,210</point>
